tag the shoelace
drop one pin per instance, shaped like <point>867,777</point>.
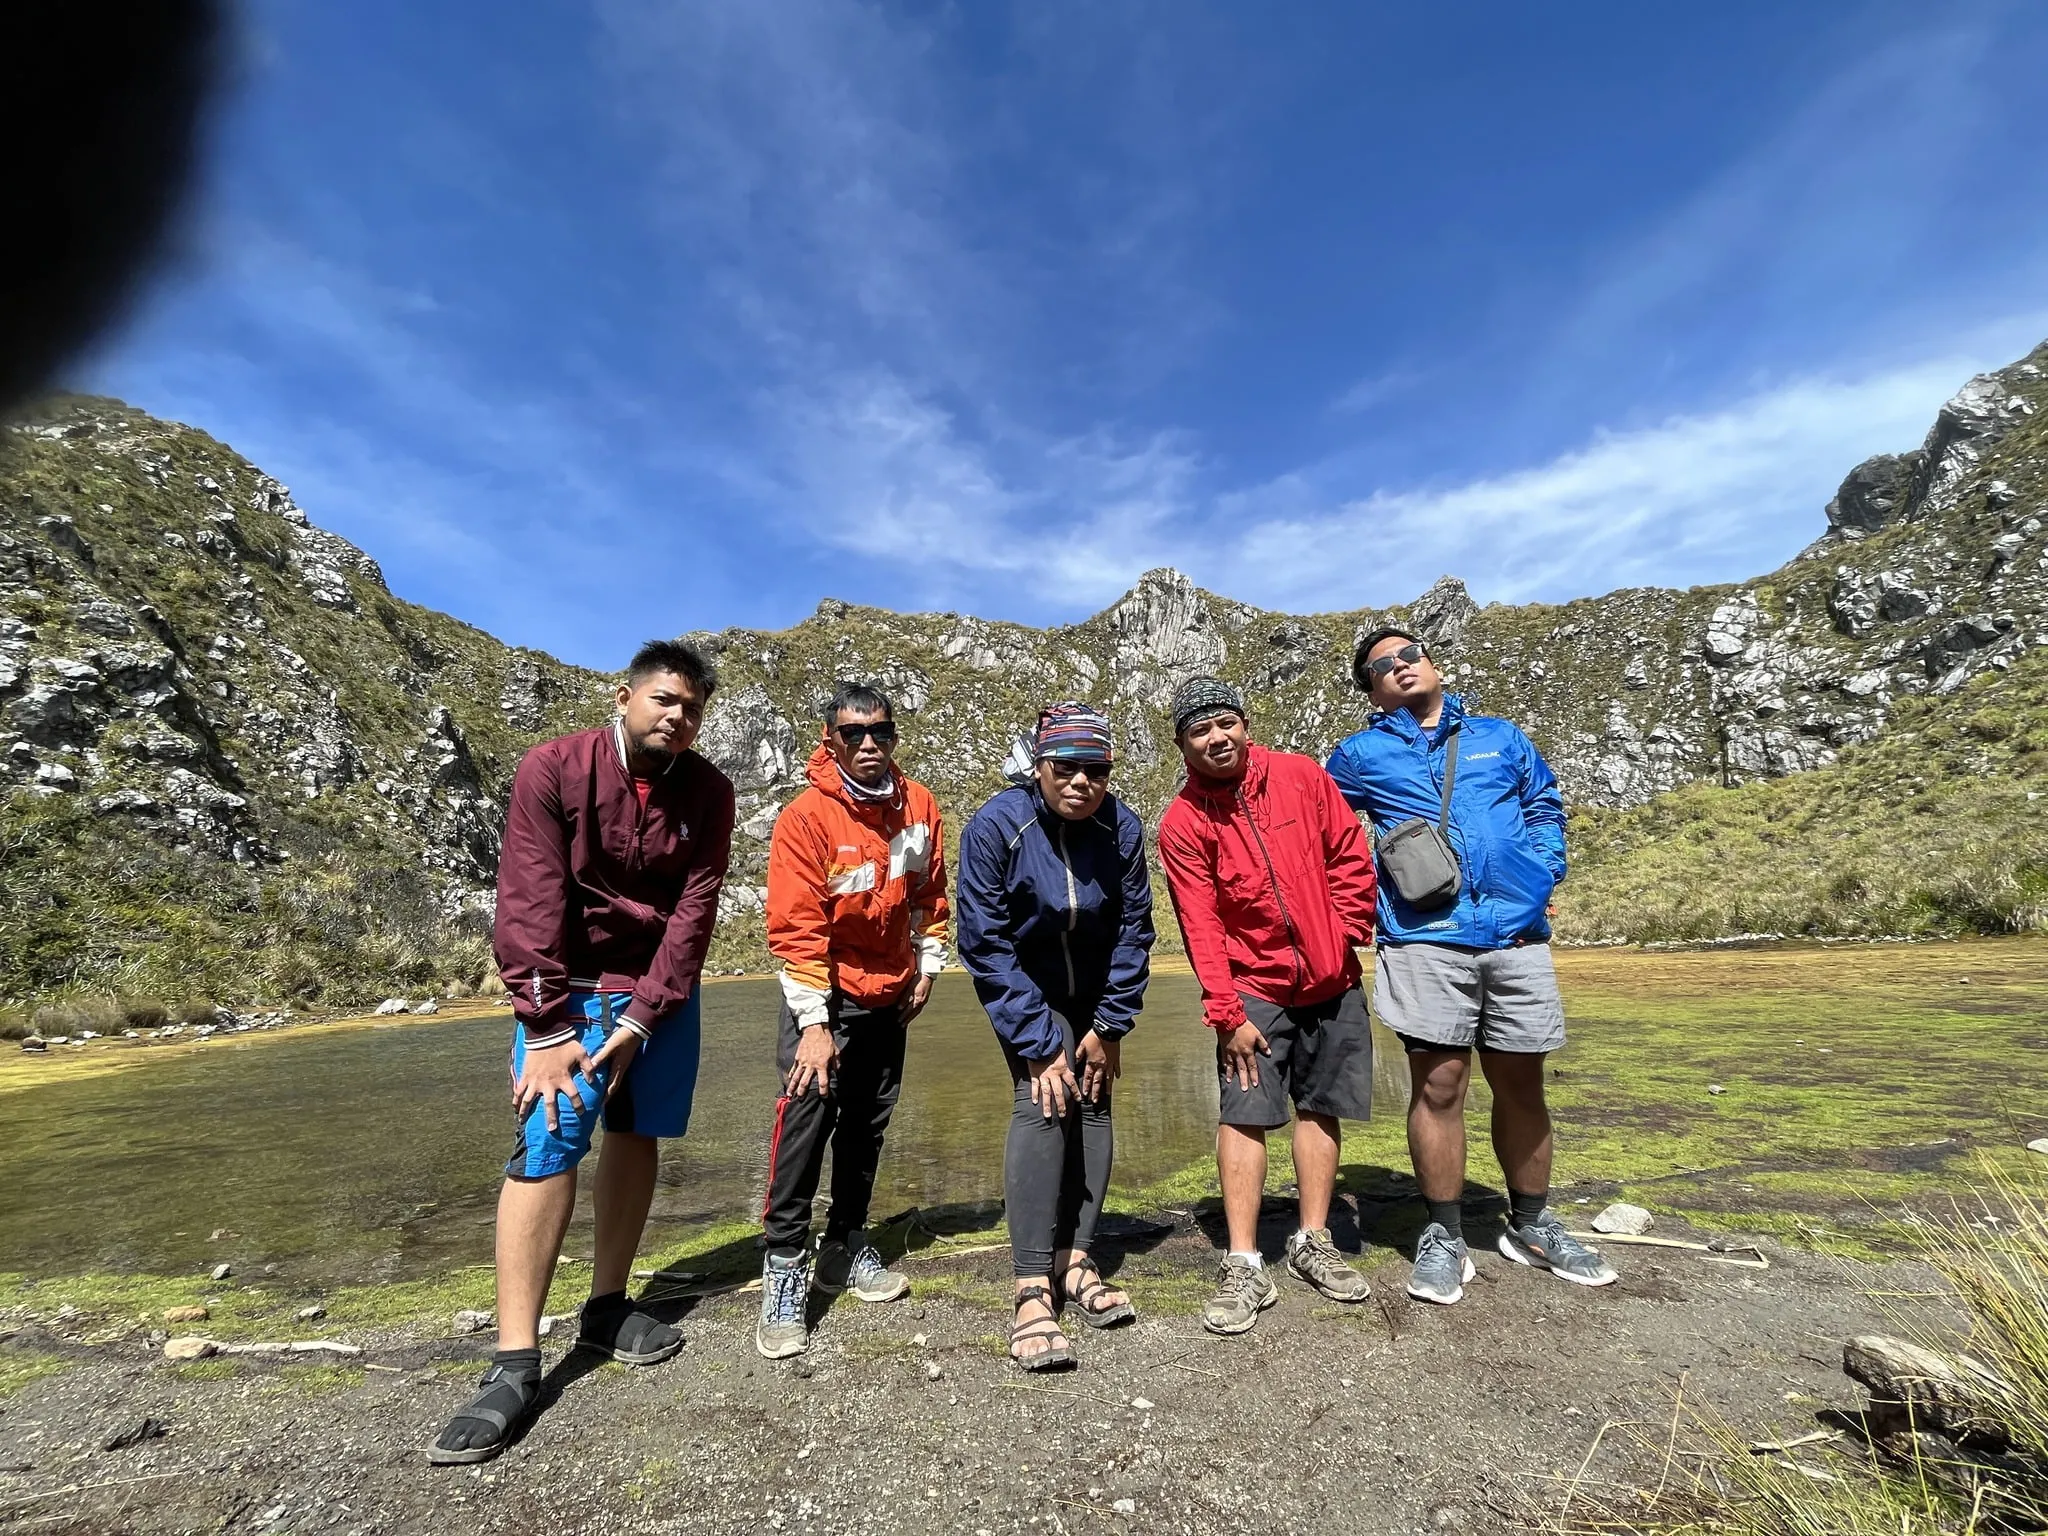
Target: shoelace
<point>1241,1282</point>
<point>867,1262</point>
<point>785,1293</point>
<point>1435,1246</point>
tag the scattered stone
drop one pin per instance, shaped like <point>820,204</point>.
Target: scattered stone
<point>547,1324</point>
<point>933,1370</point>
<point>917,1339</point>
<point>185,1314</point>
<point>1624,1219</point>
<point>1125,1506</point>
<point>429,1006</point>
<point>1915,1389</point>
<point>391,1005</point>
<point>35,1043</point>
<point>218,1233</point>
<point>1142,1404</point>
<point>309,1314</point>
<point>222,1271</point>
<point>189,1349</point>
<point>2039,1144</point>
<point>468,1320</point>
<point>1716,1089</point>
<point>148,1429</point>
<point>56,776</point>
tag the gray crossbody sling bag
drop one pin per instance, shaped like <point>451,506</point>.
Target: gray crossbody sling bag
<point>1417,856</point>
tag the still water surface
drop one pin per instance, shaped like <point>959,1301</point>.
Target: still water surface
<point>375,1154</point>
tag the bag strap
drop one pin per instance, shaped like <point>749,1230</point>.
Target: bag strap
<point>1443,821</point>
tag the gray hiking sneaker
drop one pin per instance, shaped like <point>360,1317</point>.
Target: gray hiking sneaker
<point>785,1286</point>
<point>855,1265</point>
<point>1242,1293</point>
<point>1544,1244</point>
<point>1313,1257</point>
<point>1442,1266</point>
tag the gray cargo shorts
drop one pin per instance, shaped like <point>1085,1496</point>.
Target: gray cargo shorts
<point>1446,997</point>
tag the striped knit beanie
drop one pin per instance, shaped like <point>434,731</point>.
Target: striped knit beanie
<point>1200,697</point>
<point>1072,731</point>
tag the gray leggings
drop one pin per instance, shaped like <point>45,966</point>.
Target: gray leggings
<point>1054,1171</point>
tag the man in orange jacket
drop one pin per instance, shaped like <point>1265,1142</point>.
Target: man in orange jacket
<point>857,916</point>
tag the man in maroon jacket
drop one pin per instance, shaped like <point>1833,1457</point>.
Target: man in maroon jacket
<point>615,848</point>
<point>1273,884</point>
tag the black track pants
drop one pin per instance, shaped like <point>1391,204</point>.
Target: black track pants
<point>851,1119</point>
<point>1055,1172</point>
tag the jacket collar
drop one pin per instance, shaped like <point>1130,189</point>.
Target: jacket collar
<point>618,736</point>
<point>1404,725</point>
<point>823,772</point>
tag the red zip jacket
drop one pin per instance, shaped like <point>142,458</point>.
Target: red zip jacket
<point>597,892</point>
<point>1272,882</point>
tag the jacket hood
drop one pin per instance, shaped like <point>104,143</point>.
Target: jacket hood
<point>823,772</point>
<point>1222,793</point>
<point>1406,726</point>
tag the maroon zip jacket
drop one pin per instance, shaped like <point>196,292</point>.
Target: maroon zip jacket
<point>597,893</point>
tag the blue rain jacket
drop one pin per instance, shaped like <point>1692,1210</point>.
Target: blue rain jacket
<point>1507,822</point>
<point>1054,914</point>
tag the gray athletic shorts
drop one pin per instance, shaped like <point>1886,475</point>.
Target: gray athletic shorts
<point>1445,997</point>
<point>1321,1060</point>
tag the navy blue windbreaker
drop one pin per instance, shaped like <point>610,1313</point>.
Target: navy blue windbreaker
<point>1054,914</point>
<point>1507,822</point>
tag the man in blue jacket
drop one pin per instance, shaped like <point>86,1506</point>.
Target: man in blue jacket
<point>1473,970</point>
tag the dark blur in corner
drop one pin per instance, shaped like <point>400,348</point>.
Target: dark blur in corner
<point>102,109</point>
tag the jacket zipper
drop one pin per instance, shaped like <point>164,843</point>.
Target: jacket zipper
<point>1073,913</point>
<point>1286,920</point>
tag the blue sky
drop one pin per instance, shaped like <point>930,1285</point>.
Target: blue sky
<point>606,320</point>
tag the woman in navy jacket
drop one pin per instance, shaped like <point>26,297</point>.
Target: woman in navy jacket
<point>1054,922</point>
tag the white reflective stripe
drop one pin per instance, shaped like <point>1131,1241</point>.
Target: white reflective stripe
<point>931,954</point>
<point>849,881</point>
<point>911,850</point>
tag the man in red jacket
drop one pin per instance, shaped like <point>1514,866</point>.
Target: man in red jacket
<point>1273,885</point>
<point>615,848</point>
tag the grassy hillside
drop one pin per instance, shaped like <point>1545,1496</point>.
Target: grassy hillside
<point>1940,826</point>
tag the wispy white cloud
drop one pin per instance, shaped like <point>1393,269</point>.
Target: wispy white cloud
<point>1715,496</point>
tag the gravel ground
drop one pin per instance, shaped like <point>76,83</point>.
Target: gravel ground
<point>1389,1416</point>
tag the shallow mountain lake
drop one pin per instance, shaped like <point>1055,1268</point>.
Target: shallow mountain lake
<point>374,1153</point>
<point>1853,1080</point>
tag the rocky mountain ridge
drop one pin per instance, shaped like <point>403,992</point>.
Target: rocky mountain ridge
<point>230,759</point>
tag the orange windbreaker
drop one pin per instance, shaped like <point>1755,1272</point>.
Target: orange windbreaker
<point>856,893</point>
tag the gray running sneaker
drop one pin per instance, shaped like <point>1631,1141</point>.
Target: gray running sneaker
<point>785,1286</point>
<point>1544,1244</point>
<point>1312,1256</point>
<point>1442,1266</point>
<point>1242,1293</point>
<point>855,1265</point>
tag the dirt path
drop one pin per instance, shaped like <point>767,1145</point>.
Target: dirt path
<point>1388,1416</point>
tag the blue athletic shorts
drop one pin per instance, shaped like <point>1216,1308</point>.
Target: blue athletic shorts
<point>654,1099</point>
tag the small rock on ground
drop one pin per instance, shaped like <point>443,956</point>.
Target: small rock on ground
<point>222,1271</point>
<point>2039,1144</point>
<point>1624,1219</point>
<point>185,1314</point>
<point>469,1321</point>
<point>188,1349</point>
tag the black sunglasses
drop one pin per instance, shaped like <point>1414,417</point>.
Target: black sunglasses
<point>1408,655</point>
<point>883,731</point>
<point>1067,768</point>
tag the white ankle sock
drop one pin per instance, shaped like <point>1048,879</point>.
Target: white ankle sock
<point>1248,1260</point>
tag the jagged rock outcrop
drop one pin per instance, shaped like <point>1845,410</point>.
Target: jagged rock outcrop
<point>184,654</point>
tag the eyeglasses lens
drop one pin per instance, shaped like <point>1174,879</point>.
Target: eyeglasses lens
<point>853,735</point>
<point>1408,655</point>
<point>1096,773</point>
